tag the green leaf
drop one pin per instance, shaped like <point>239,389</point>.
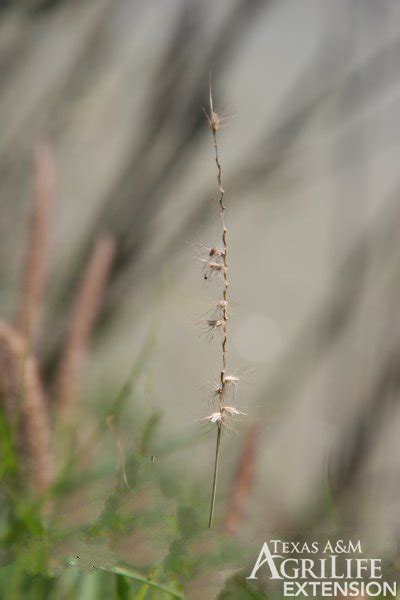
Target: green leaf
<point>122,587</point>
<point>141,593</point>
<point>136,576</point>
<point>149,430</point>
<point>90,587</point>
<point>9,459</point>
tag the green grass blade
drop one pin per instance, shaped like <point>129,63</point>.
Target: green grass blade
<point>123,588</point>
<point>142,592</point>
<point>133,574</point>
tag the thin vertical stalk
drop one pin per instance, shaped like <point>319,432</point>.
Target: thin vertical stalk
<point>215,478</point>
<point>214,123</point>
<point>225,269</point>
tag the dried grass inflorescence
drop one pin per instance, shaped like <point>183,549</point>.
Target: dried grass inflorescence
<point>23,398</point>
<point>35,268</point>
<point>215,264</point>
<point>84,313</point>
<point>24,402</point>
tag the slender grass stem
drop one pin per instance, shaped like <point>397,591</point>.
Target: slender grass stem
<point>215,478</point>
<point>214,122</point>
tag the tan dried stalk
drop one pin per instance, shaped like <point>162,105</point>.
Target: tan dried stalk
<point>25,403</point>
<point>35,269</point>
<point>243,482</point>
<point>84,314</point>
<point>214,122</point>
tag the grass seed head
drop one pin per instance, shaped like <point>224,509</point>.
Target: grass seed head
<point>224,416</point>
<point>212,268</point>
<point>210,326</point>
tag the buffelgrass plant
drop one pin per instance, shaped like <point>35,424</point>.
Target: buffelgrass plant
<point>74,501</point>
<point>216,264</point>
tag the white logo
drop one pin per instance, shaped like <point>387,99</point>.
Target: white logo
<point>324,576</point>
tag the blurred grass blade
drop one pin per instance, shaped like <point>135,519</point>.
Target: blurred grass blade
<point>141,593</point>
<point>89,587</point>
<point>132,574</point>
<point>136,370</point>
<point>9,460</point>
<point>149,431</point>
<point>122,587</point>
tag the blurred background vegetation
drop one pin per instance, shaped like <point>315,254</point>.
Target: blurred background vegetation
<point>101,118</point>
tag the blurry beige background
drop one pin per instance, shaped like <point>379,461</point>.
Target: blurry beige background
<point>311,165</point>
